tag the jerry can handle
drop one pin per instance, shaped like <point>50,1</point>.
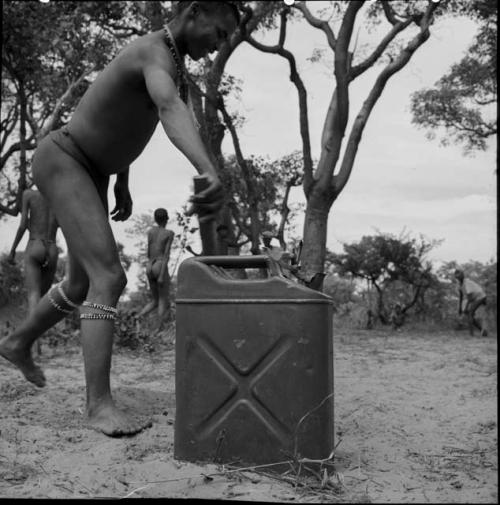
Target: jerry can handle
<point>250,261</point>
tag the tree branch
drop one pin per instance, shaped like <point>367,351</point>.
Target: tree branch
<point>317,23</point>
<point>338,113</point>
<point>30,145</point>
<point>302,95</point>
<point>375,55</point>
<point>339,181</point>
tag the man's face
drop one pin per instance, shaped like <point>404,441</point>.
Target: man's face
<point>208,31</point>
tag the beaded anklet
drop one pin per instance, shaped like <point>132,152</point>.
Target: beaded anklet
<point>109,312</point>
<point>56,305</point>
<point>64,297</point>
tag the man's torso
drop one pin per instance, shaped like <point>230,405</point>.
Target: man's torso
<point>116,117</point>
<point>471,290</point>
<point>157,239</point>
<point>41,221</point>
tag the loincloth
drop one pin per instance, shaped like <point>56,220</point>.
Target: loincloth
<point>67,143</point>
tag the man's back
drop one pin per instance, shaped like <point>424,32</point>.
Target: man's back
<point>472,289</point>
<point>116,117</point>
<point>157,241</point>
<point>41,221</point>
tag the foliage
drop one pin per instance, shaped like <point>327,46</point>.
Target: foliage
<point>50,54</point>
<point>462,104</point>
<point>394,265</point>
<point>264,195</point>
<point>12,290</point>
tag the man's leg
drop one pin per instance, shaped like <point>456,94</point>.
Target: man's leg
<point>164,299</point>
<point>42,315</point>
<point>33,274</point>
<point>49,271</point>
<point>153,287</point>
<point>81,214</point>
<point>477,321</point>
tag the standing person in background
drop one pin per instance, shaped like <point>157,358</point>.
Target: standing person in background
<point>471,297</point>
<point>41,253</point>
<point>159,244</point>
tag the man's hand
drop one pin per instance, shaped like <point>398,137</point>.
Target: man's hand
<point>206,203</point>
<point>12,258</point>
<point>123,207</point>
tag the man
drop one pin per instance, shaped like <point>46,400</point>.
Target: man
<point>108,130</point>
<point>471,297</point>
<point>40,255</point>
<point>159,244</point>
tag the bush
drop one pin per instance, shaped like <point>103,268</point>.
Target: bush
<point>12,290</point>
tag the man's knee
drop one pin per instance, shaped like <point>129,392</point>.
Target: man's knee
<point>76,290</point>
<point>112,281</point>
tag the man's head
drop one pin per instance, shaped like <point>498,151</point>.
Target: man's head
<point>161,216</point>
<point>459,275</point>
<point>206,25</point>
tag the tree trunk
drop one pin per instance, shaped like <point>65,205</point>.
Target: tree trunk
<point>315,234</point>
<point>23,166</point>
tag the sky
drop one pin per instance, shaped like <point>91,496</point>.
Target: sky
<point>400,180</point>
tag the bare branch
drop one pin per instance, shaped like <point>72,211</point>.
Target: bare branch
<point>317,23</point>
<point>302,95</point>
<point>285,211</point>
<point>389,12</point>
<point>375,55</point>
<point>8,125</point>
<point>10,210</point>
<point>29,146</point>
<point>340,180</point>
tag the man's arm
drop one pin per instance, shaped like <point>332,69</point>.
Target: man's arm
<point>123,206</point>
<point>460,299</point>
<point>23,225</point>
<point>178,123</point>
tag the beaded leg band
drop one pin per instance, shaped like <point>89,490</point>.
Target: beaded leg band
<point>65,299</point>
<point>108,312</point>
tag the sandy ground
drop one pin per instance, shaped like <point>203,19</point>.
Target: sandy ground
<point>415,421</point>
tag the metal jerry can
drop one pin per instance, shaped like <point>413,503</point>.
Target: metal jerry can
<point>254,366</point>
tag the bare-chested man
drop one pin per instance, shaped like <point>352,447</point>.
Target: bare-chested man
<point>71,167</point>
<point>40,255</point>
<point>159,243</point>
<point>471,297</point>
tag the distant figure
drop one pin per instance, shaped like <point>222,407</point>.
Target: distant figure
<point>471,297</point>
<point>159,243</point>
<point>40,255</point>
<point>397,316</point>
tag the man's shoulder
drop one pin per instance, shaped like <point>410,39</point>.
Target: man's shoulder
<point>152,50</point>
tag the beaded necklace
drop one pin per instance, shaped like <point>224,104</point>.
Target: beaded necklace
<point>169,41</point>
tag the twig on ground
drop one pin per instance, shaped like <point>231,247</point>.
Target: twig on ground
<point>303,418</point>
<point>134,491</point>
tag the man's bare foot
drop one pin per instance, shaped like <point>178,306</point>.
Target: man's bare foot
<point>22,359</point>
<point>114,422</point>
